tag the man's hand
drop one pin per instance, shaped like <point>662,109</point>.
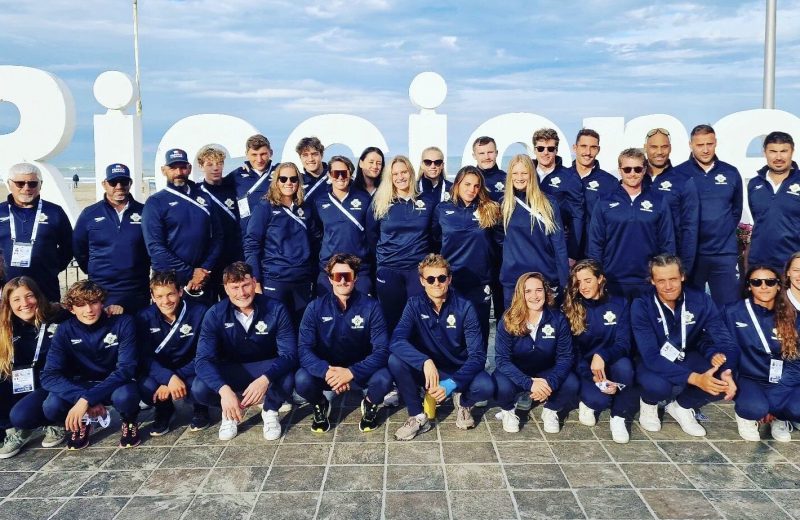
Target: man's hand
<point>342,389</point>
<point>114,310</point>
<point>199,277</point>
<point>75,415</point>
<point>255,392</point>
<point>230,404</point>
<point>598,368</point>
<point>438,392</point>
<point>259,288</point>
<point>161,393</point>
<point>707,382</point>
<point>727,376</point>
<point>431,375</point>
<point>540,390</point>
<point>718,359</point>
<point>338,376</point>
<point>177,388</point>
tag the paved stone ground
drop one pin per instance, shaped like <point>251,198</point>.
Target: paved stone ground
<point>445,473</point>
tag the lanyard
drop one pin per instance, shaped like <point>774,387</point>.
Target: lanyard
<point>442,190</point>
<point>39,342</point>
<point>346,213</point>
<point>295,217</point>
<point>664,322</point>
<point>181,195</point>
<point>537,215</point>
<point>172,330</point>
<point>219,203</point>
<point>757,325</point>
<point>35,223</point>
<point>319,183</point>
<point>260,180</point>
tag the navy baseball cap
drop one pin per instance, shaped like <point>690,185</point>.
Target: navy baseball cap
<point>176,155</point>
<point>116,171</point>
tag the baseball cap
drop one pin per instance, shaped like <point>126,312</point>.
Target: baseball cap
<point>117,170</point>
<point>175,155</point>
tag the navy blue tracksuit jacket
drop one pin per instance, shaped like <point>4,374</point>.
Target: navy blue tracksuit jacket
<point>243,179</point>
<point>776,219</point>
<point>565,186</point>
<point>495,182</point>
<point>223,197</point>
<point>339,233</point>
<point>402,237</point>
<point>438,193</point>
<point>607,334</point>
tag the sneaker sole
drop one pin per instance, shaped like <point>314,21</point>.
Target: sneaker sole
<point>423,429</point>
<point>130,445</point>
<point>159,433</point>
<point>199,428</point>
<point>320,430</point>
<point>11,454</point>
<point>52,444</point>
<point>77,448</point>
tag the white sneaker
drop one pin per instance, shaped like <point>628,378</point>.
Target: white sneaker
<point>586,415</point>
<point>648,417</point>
<point>510,420</point>
<point>619,433</point>
<point>781,430</point>
<point>272,426</point>
<point>686,419</point>
<point>285,408</point>
<point>392,399</point>
<point>228,429</point>
<point>524,402</point>
<point>550,421</point>
<point>748,430</point>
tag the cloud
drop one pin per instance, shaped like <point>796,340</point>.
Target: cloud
<point>328,9</point>
<point>449,42</point>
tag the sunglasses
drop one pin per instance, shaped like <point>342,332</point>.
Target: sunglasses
<point>756,282</point>
<point>22,184</point>
<point>342,277</point>
<point>434,162</point>
<point>634,169</point>
<point>655,131</point>
<point>442,278</point>
<point>284,179</point>
<point>550,149</point>
<point>340,174</point>
<point>115,182</point>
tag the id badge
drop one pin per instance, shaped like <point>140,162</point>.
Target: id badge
<point>669,351</point>
<point>244,207</point>
<point>22,380</point>
<point>21,254</point>
<point>775,370</point>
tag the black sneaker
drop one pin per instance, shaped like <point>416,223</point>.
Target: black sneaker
<point>200,419</point>
<point>78,440</point>
<point>369,416</point>
<point>163,415</point>
<point>321,423</point>
<point>130,435</point>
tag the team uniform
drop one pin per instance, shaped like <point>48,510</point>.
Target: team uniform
<point>776,218</point>
<point>596,184</point>
<point>438,193</point>
<point>223,199</point>
<point>495,181</point>
<point>565,186</point>
<point>250,187</point>
<point>314,186</point>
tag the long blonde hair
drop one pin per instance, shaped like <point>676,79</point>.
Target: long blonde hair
<point>488,210</point>
<point>386,194</point>
<point>516,317</point>
<point>273,195</point>
<point>535,198</point>
<point>44,312</point>
<point>573,307</point>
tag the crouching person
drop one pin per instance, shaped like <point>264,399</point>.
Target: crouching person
<point>438,344</point>
<point>167,334</point>
<point>246,355</point>
<point>343,343</point>
<point>91,364</point>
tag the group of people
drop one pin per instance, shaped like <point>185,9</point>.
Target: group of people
<point>609,292</point>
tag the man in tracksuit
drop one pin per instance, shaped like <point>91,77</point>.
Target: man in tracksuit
<point>182,231</point>
<point>343,342</point>
<point>315,170</point>
<point>563,185</point>
<point>109,244</point>
<point>246,355</point>
<point>167,332</point>
<point>251,180</point>
<point>678,191</point>
<point>774,199</point>
<point>91,364</point>
<point>35,235</point>
<point>719,189</point>
<point>628,227</point>
<point>438,345</point>
<point>686,351</point>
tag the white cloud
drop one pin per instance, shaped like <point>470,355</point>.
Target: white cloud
<point>335,8</point>
<point>449,42</point>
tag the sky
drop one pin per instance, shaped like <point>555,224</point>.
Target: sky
<point>276,63</point>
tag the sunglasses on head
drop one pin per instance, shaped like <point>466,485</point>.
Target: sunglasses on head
<point>550,149</point>
<point>346,277</point>
<point>634,169</point>
<point>655,131</point>
<point>340,174</point>
<point>756,282</point>
<point>285,179</point>
<point>434,162</point>
<point>442,278</point>
<point>115,182</point>
<point>22,184</point>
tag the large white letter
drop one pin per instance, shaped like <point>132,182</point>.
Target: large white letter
<point>353,132</point>
<point>427,91</point>
<point>515,127</point>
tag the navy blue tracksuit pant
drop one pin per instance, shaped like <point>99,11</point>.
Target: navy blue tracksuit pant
<point>124,399</point>
<point>561,399</point>
<point>656,389</point>
<point>310,388</point>
<point>721,272</point>
<point>393,288</point>
<point>624,403</point>
<point>239,376</point>
<point>755,399</point>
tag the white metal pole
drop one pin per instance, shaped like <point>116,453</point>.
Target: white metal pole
<point>136,56</point>
<point>769,54</point>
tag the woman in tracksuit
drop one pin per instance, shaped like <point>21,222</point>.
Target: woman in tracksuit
<point>432,178</point>
<point>368,170</point>
<point>279,244</point>
<point>534,235</point>
<point>601,333</point>
<point>27,324</point>
<point>764,326</point>
<point>399,231</point>
<point>534,355</point>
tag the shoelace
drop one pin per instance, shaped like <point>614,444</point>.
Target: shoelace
<point>319,413</point>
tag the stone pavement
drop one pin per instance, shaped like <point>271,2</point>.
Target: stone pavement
<point>445,473</point>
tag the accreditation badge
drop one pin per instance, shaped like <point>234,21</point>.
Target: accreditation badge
<point>21,254</point>
<point>22,380</point>
<point>775,370</point>
<point>244,207</point>
<point>669,351</point>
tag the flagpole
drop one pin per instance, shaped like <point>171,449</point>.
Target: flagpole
<point>769,54</point>
<point>136,56</point>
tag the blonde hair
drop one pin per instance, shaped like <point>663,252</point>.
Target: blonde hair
<point>488,210</point>
<point>420,172</point>
<point>44,312</point>
<point>516,317</point>
<point>273,195</point>
<point>210,153</point>
<point>574,309</point>
<point>535,198</point>
<point>386,194</point>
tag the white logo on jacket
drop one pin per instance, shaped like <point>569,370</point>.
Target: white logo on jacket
<point>356,204</point>
<point>593,185</point>
<point>499,186</point>
<point>647,206</point>
<point>326,319</point>
<point>451,322</point>
<point>186,330</point>
<point>136,218</point>
<point>555,182</point>
<point>43,217</point>
<point>300,212</point>
<point>229,203</point>
<point>613,205</point>
<point>794,189</point>
<point>610,317</point>
<point>741,325</point>
<point>357,322</point>
<point>228,325</point>
<point>420,204</point>
<point>110,340</point>
<point>688,318</point>
<point>720,179</point>
<point>548,331</point>
<point>261,327</point>
<point>665,186</point>
<point>200,200</point>
<point>99,219</point>
<point>76,341</point>
<point>51,329</point>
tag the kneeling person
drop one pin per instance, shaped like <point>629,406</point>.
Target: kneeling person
<point>343,342</point>
<point>246,354</point>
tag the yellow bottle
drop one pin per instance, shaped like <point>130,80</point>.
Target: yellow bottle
<point>429,406</point>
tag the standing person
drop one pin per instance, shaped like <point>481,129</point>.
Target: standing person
<point>167,332</point>
<point>181,231</point>
<point>399,231</point>
<point>432,178</point>
<point>35,235</point>
<point>764,326</point>
<point>719,189</point>
<point>109,244</point>
<point>534,355</point>
<point>250,179</point>
<point>343,345</point>
<point>27,325</point>
<point>246,355</point>
<point>279,244</point>
<point>342,216</point>
<point>315,170</point>
<point>533,232</point>
<point>75,180</point>
<point>563,185</point>
<point>91,364</point>
<point>601,332</point>
<point>484,151</point>
<point>687,355</point>
<point>774,199</point>
<point>438,345</point>
<point>368,170</point>
<point>467,228</point>
<point>628,227</point>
